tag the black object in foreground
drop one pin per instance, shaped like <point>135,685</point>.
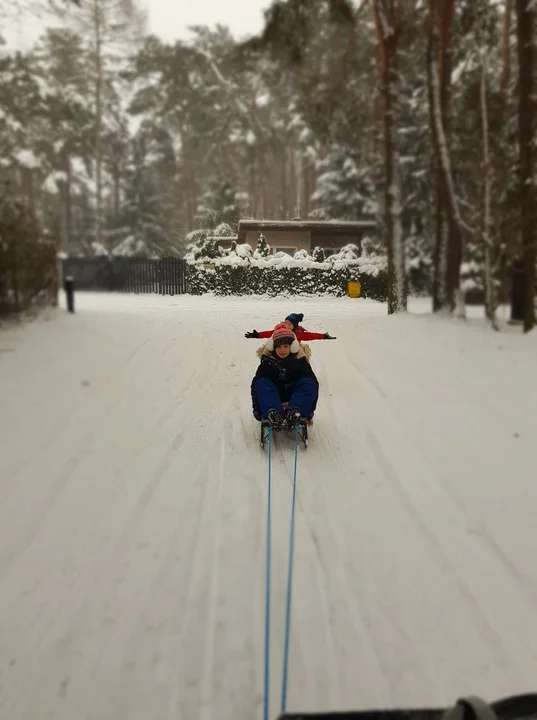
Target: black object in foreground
<point>517,707</point>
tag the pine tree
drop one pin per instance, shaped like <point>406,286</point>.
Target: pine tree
<point>262,248</point>
<point>344,188</point>
<point>219,205</point>
<point>109,28</point>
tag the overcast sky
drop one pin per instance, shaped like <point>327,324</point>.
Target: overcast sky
<point>167,18</point>
<point>171,18</point>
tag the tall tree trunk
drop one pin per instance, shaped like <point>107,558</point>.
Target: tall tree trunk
<point>525,10</point>
<point>500,159</point>
<point>440,245</point>
<point>292,181</point>
<point>306,174</point>
<point>299,184</point>
<point>506,55</point>
<point>66,204</point>
<point>448,250</point>
<point>29,193</point>
<point>490,289</point>
<point>387,23</point>
<point>98,39</point>
<point>117,194</point>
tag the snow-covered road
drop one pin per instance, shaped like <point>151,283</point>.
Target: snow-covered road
<point>133,497</point>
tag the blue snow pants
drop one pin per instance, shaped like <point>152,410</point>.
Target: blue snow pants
<point>304,396</point>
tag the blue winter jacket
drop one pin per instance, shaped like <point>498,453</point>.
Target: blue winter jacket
<point>283,373</point>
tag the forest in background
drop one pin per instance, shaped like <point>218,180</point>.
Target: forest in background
<point>420,114</point>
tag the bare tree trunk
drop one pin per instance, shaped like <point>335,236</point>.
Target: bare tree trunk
<point>64,212</point>
<point>306,175</point>
<point>299,184</point>
<point>117,194</point>
<point>440,245</point>
<point>28,184</point>
<point>387,23</point>
<point>68,205</point>
<point>525,10</point>
<point>500,159</point>
<point>448,251</point>
<point>490,290</point>
<point>439,250</point>
<point>506,55</point>
<point>97,29</point>
<point>292,181</point>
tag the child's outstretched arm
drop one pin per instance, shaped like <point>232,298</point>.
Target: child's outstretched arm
<point>262,334</point>
<point>315,336</point>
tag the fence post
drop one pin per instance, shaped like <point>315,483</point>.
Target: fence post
<point>70,293</point>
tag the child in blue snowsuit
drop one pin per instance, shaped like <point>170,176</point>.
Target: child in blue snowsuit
<point>284,376</point>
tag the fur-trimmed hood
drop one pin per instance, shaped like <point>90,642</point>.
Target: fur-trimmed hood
<point>303,351</point>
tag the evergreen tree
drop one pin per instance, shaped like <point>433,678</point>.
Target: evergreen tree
<point>262,248</point>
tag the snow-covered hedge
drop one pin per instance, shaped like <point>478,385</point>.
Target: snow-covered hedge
<point>243,272</point>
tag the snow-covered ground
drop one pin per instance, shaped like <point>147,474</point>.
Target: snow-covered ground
<point>133,498</point>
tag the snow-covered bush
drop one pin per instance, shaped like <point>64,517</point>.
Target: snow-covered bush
<point>349,252</point>
<point>202,247</point>
<point>241,273</point>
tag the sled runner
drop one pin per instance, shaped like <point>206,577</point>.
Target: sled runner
<point>302,431</point>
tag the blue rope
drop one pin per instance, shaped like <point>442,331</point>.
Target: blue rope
<point>289,586</point>
<point>267,589</point>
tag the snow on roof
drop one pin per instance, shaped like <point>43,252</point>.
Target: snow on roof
<point>306,224</point>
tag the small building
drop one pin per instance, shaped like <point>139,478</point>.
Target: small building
<point>289,236</point>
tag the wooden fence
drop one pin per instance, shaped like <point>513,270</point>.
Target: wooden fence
<point>166,276</point>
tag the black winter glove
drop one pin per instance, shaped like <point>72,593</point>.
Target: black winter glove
<point>253,334</point>
<point>327,336</point>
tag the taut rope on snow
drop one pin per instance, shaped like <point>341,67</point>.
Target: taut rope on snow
<point>267,588</point>
<point>287,637</point>
<point>289,585</point>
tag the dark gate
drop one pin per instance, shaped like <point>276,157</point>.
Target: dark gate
<point>166,276</point>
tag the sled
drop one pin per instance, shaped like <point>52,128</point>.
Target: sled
<point>302,430</point>
<point>304,422</point>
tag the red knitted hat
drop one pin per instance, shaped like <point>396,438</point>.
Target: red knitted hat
<point>281,332</point>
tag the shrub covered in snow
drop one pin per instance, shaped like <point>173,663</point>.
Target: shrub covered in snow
<point>223,230</point>
<point>242,273</point>
<point>202,247</point>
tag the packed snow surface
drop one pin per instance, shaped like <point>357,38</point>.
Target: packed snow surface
<point>133,505</point>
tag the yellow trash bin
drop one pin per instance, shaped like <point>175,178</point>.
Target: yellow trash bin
<point>354,288</point>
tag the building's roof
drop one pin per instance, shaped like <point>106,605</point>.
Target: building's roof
<point>306,224</point>
<point>326,225</point>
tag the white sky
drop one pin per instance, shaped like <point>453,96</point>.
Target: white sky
<point>169,19</point>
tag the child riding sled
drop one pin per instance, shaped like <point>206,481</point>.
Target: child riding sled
<point>292,322</point>
<point>284,377</point>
